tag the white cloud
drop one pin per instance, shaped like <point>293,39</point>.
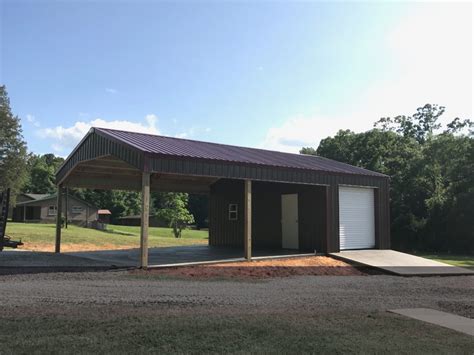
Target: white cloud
<point>307,131</point>
<point>431,55</point>
<point>32,119</point>
<point>111,91</point>
<point>151,119</point>
<point>65,138</point>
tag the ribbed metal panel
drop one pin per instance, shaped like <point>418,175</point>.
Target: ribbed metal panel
<point>226,170</point>
<point>94,146</point>
<point>266,214</point>
<point>222,231</point>
<point>356,218</point>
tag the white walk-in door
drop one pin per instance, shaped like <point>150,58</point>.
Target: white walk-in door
<point>356,218</point>
<point>289,221</point>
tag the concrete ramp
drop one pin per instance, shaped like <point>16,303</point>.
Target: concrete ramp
<point>400,263</point>
<point>443,319</point>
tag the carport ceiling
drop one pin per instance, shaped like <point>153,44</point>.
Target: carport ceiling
<point>111,173</point>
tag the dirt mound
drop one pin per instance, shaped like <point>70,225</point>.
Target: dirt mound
<point>313,265</point>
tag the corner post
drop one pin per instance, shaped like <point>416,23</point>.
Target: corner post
<point>144,220</point>
<point>66,208</point>
<point>248,220</point>
<point>58,219</point>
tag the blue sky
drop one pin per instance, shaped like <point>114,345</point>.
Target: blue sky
<point>276,75</point>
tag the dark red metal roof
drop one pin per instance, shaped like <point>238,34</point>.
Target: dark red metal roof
<point>186,148</point>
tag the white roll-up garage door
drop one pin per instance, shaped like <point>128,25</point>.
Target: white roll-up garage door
<point>356,218</point>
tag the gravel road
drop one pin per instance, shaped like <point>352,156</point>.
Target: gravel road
<point>62,291</point>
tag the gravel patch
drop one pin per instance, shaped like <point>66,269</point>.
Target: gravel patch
<point>121,289</point>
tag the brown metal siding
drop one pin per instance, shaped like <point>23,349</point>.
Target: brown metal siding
<point>333,219</point>
<point>318,214</point>
<point>266,225</point>
<point>258,173</point>
<point>222,231</point>
<point>312,218</point>
<point>266,214</point>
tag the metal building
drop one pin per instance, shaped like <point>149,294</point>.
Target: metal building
<point>258,197</point>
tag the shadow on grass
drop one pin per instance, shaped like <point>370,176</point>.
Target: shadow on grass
<point>114,231</point>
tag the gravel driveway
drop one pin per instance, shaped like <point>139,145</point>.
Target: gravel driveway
<point>121,312</point>
<point>306,293</point>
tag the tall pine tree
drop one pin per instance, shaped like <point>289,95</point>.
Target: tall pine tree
<point>13,155</point>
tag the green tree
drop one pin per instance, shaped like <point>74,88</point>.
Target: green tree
<point>41,173</point>
<point>13,154</point>
<point>450,206</point>
<point>419,126</point>
<point>174,210</point>
<point>199,208</point>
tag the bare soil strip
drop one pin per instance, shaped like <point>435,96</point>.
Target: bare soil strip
<point>262,269</point>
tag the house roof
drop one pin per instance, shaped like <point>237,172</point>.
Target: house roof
<point>36,196</point>
<point>104,212</point>
<point>47,197</point>
<point>186,148</point>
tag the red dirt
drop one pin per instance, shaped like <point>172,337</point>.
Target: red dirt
<point>313,265</point>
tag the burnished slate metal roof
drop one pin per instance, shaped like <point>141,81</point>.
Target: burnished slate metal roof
<point>191,149</point>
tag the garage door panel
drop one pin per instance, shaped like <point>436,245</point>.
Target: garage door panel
<point>356,218</point>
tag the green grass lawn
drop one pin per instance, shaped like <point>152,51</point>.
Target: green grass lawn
<point>41,237</point>
<point>456,260</point>
<point>218,333</point>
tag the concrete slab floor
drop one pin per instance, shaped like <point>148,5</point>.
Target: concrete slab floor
<point>19,258</point>
<point>443,319</point>
<point>128,257</point>
<point>400,263</point>
<point>174,255</point>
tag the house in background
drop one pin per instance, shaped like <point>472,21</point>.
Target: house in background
<point>42,208</point>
